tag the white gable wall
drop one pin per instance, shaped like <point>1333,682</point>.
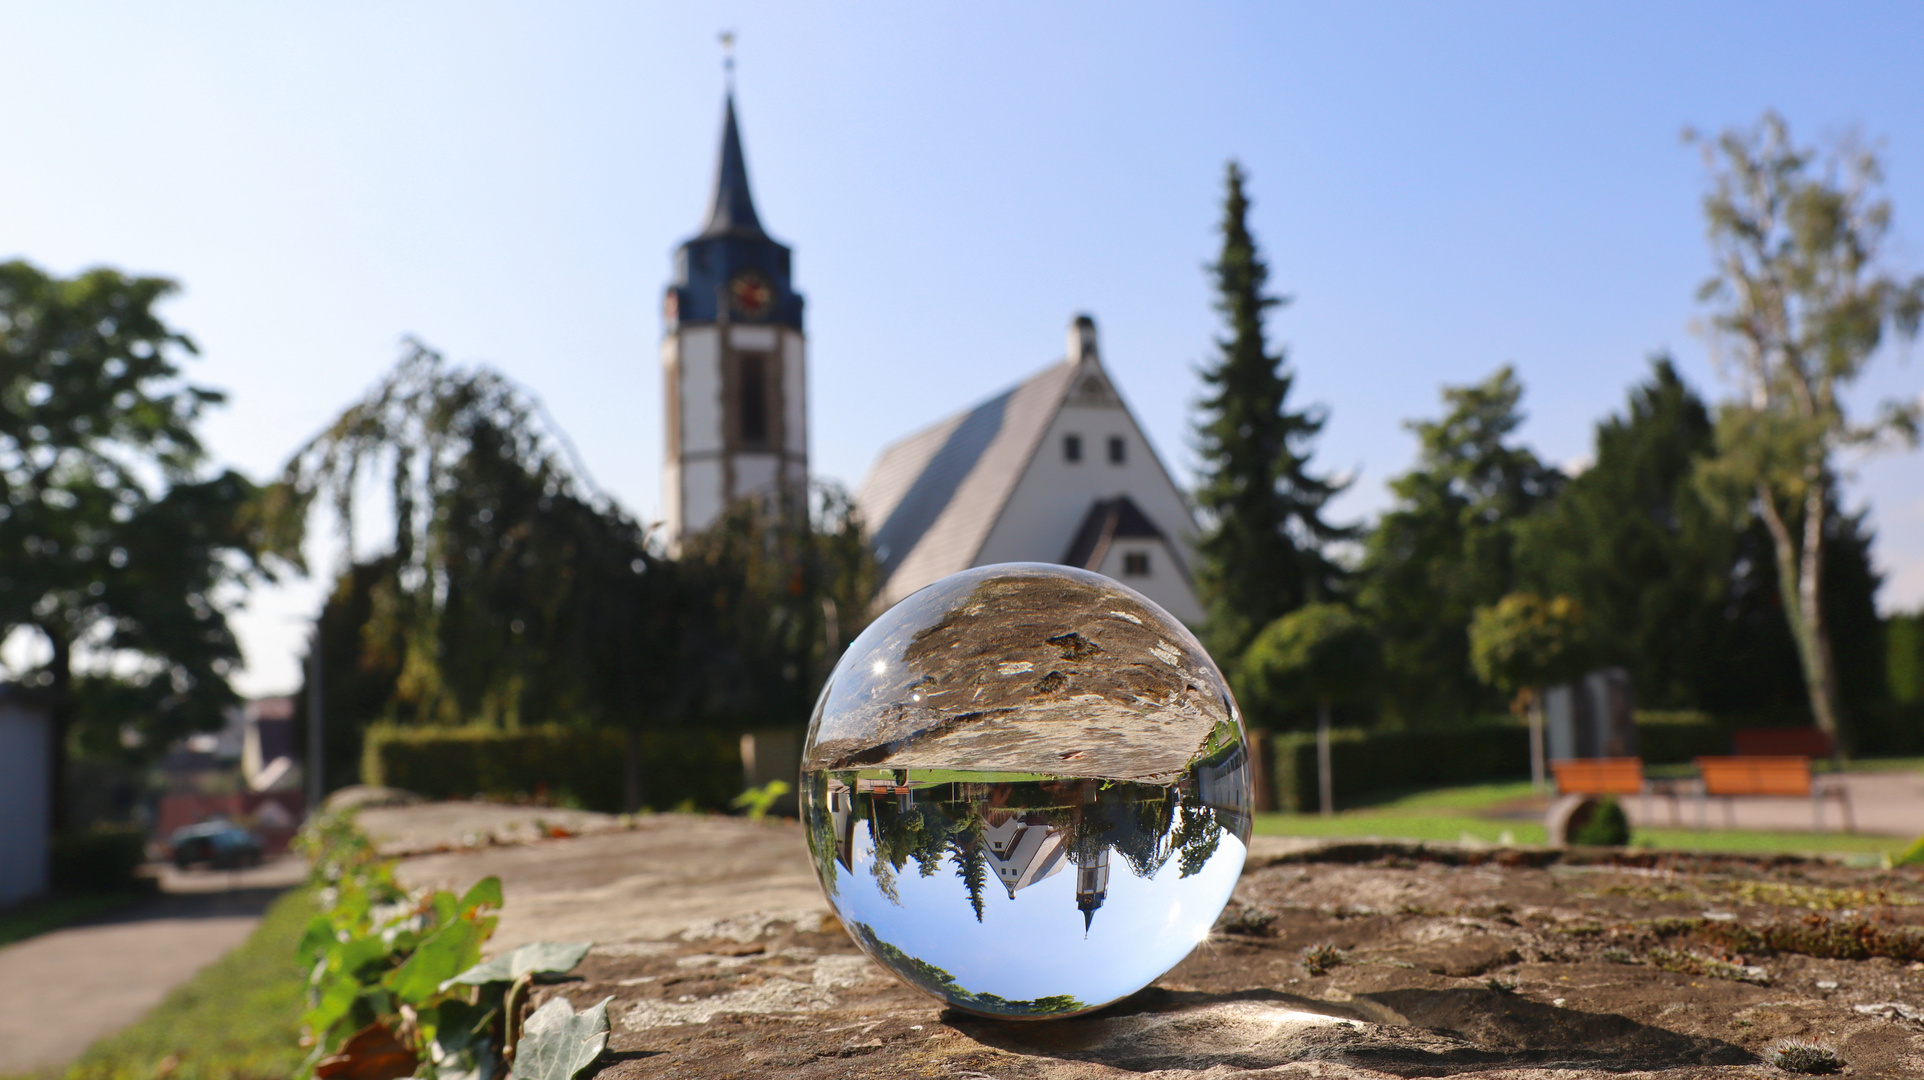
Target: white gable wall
<point>1040,519</point>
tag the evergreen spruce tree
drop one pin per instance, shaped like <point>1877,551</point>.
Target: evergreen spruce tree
<point>1263,550</point>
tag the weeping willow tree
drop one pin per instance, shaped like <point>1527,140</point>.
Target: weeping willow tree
<point>512,591</point>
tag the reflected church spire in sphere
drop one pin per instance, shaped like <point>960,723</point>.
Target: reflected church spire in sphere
<point>1028,721</point>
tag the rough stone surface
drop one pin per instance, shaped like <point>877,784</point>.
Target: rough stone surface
<point>1443,961</point>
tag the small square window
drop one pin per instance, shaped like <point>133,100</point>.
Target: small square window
<point>1072,448</point>
<point>1117,450</point>
<point>1135,564</point>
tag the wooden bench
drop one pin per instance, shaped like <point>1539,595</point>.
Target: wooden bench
<point>1780,775</point>
<point>1613,776</point>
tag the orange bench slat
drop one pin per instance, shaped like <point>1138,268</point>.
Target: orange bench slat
<point>1780,775</point>
<point>1599,776</point>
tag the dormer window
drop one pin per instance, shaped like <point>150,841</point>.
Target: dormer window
<point>1118,450</point>
<point>1072,448</point>
<point>1135,564</point>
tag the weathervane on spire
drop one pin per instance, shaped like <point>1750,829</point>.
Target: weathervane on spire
<point>728,57</point>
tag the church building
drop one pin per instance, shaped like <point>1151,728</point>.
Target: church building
<point>734,360</point>
<point>1054,470</point>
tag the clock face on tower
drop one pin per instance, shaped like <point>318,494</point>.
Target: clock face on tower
<point>751,295</point>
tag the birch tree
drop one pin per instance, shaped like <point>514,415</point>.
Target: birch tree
<point>1800,304</point>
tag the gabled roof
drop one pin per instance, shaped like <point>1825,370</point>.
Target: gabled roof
<point>1108,520</point>
<point>731,209</point>
<point>932,497</point>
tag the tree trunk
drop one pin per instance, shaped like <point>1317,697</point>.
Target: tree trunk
<point>1800,582</point>
<point>1325,778</point>
<point>60,714</point>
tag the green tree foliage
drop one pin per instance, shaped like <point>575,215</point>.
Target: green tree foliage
<point>1262,554</point>
<point>1319,654</point>
<point>1800,304</point>
<point>515,591</point>
<point>771,596</point>
<point>1448,546</point>
<point>1525,643</point>
<point>1631,540</point>
<point>1905,642</point>
<point>1671,590</point>
<point>514,594</point>
<point>115,548</point>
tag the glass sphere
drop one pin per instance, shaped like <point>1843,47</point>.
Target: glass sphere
<point>1027,790</point>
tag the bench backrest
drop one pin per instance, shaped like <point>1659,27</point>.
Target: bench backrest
<point>1778,775</point>
<point>1598,776</point>
<point>1807,742</point>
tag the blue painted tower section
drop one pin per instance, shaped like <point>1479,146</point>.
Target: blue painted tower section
<point>719,273</point>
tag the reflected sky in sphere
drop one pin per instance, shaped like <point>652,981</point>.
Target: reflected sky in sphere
<point>1026,791</point>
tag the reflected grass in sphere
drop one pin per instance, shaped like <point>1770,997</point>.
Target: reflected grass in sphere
<point>1027,792</point>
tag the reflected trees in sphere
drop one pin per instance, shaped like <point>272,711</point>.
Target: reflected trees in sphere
<point>1027,791</point>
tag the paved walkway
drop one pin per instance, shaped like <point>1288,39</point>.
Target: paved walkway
<point>62,990</point>
<point>1881,803</point>
<point>1884,803</point>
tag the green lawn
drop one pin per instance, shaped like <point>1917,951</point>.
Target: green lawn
<point>1453,828</point>
<point>239,1019</point>
<point>1451,815</point>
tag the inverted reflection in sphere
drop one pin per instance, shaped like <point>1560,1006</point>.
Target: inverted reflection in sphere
<point>1026,790</point>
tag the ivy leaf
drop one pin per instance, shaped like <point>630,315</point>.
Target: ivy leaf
<point>448,950</point>
<point>536,958</point>
<point>486,892</point>
<point>557,1042</point>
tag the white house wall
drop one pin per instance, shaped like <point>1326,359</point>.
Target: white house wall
<point>1164,584</point>
<point>795,399</point>
<point>701,493</point>
<point>701,392</point>
<point>1054,495</point>
<point>756,473</point>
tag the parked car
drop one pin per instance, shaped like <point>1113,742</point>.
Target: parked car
<point>220,844</point>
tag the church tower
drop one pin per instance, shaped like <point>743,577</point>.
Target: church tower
<point>734,359</point>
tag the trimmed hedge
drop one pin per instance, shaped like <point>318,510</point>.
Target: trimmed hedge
<point>101,859</point>
<point>581,766</point>
<point>1385,760</point>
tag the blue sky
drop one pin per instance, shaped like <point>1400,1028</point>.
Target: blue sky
<point>1442,189</point>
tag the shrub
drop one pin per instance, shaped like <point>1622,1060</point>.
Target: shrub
<point>1605,827</point>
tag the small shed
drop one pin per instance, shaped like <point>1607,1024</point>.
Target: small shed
<point>26,794</point>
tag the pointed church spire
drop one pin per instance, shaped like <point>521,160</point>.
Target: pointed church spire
<point>731,210</point>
